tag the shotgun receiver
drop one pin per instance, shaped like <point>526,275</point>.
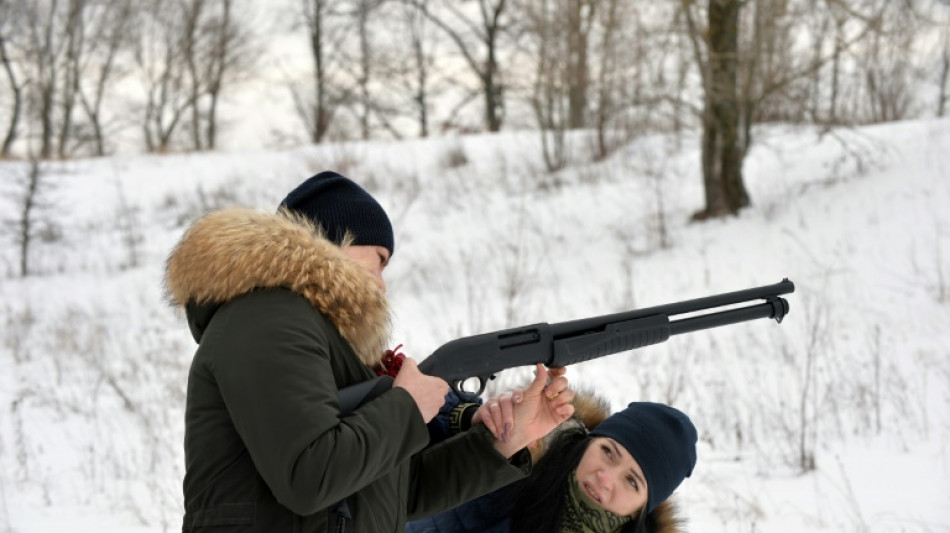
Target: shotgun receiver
<point>565,343</point>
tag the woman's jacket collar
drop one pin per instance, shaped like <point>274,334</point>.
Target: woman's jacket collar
<point>231,252</point>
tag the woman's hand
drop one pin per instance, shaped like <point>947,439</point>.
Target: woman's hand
<point>427,391</point>
<point>544,406</point>
<point>498,413</point>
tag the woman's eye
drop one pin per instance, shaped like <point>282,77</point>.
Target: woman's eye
<point>607,451</point>
<point>633,483</point>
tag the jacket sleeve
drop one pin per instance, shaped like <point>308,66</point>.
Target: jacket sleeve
<point>488,513</point>
<point>460,469</point>
<point>274,372</point>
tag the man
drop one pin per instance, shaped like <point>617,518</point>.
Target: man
<point>287,309</point>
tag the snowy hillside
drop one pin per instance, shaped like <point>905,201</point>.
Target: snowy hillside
<point>836,420</point>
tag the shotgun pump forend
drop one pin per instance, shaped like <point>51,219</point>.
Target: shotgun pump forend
<point>566,343</point>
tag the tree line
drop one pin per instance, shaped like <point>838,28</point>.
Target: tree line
<point>78,75</point>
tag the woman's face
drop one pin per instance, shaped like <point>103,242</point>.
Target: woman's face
<point>372,258</point>
<point>610,476</point>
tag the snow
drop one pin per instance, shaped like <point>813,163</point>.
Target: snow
<point>836,420</point>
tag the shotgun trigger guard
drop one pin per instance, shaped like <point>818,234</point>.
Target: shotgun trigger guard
<point>459,386</point>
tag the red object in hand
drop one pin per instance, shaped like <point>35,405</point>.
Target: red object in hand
<point>391,362</point>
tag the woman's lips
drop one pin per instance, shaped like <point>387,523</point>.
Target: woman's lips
<point>591,492</point>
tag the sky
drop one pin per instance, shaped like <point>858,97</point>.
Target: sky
<point>835,420</point>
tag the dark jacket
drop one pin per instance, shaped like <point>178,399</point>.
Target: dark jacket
<point>492,512</point>
<point>283,321</point>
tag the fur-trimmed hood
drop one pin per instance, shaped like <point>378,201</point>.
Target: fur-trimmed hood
<point>234,251</point>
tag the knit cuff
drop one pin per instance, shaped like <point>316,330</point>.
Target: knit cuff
<point>460,419</point>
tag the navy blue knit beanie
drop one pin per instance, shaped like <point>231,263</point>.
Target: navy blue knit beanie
<point>338,204</point>
<point>661,439</point>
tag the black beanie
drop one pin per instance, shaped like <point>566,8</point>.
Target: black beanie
<point>339,205</point>
<point>661,439</point>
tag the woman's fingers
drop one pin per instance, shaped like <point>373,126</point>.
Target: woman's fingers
<point>507,417</point>
<point>498,414</point>
<point>555,387</point>
<point>491,408</point>
<point>563,405</point>
<point>540,380</point>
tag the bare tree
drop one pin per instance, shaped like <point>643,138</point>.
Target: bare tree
<point>159,57</point>
<point>362,13</point>
<point>94,34</point>
<point>73,35</point>
<point>407,80</point>
<point>108,26</point>
<point>31,201</point>
<point>218,48</point>
<point>191,13</point>
<point>751,70</point>
<point>43,52</point>
<point>317,109</point>
<point>877,81</point>
<point>832,105</point>
<point>9,16</point>
<point>886,71</point>
<point>606,103</point>
<point>550,98</point>
<point>942,21</point>
<point>576,49</point>
<point>234,53</point>
<point>188,53</point>
<point>370,63</point>
<point>580,16</point>
<point>67,52</point>
<point>422,60</point>
<point>478,38</point>
<point>722,149</point>
<point>944,74</point>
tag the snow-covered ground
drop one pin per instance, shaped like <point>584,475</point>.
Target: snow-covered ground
<point>836,420</point>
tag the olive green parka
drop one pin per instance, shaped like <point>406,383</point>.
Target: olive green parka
<point>283,320</point>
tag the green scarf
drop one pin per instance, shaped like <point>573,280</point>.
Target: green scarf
<point>583,515</point>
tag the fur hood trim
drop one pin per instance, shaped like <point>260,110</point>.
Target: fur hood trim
<point>231,252</point>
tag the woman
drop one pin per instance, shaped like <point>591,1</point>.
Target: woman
<point>595,474</point>
<point>287,309</point>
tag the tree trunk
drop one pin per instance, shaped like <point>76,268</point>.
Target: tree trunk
<point>26,216</point>
<point>220,61</point>
<point>192,12</point>
<point>579,16</point>
<point>421,97</point>
<point>366,57</point>
<point>722,151</point>
<point>75,29</point>
<point>494,99</point>
<point>944,74</point>
<point>47,82</point>
<point>606,72</point>
<point>321,112</point>
<point>11,134</point>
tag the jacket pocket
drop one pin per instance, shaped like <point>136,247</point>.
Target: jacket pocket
<point>227,514</point>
